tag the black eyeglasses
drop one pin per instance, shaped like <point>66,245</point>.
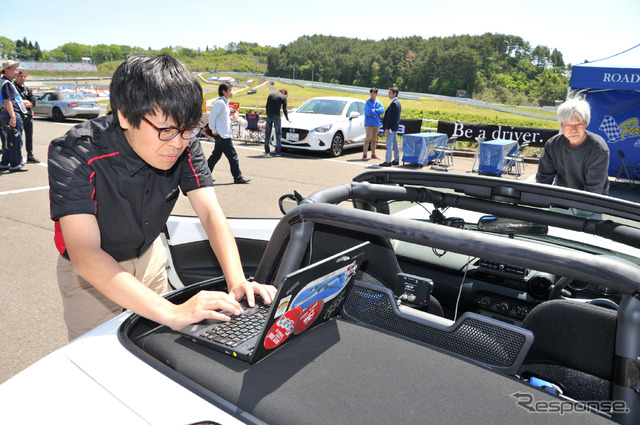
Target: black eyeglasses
<point>167,133</point>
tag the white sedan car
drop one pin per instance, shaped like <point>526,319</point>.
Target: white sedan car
<point>325,124</point>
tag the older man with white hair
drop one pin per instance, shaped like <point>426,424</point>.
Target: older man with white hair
<point>575,158</point>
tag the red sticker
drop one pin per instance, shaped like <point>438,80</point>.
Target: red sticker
<point>308,317</point>
<point>283,327</point>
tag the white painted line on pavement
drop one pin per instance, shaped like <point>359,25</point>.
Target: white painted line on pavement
<point>30,189</point>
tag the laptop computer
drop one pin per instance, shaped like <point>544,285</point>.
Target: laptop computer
<point>305,299</point>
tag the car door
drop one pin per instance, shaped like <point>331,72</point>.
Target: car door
<point>191,258</point>
<point>354,127</point>
<point>43,106</point>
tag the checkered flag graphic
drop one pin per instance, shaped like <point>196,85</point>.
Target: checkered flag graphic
<point>610,127</point>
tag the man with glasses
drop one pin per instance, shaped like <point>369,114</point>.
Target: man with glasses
<point>220,125</point>
<point>575,158</point>
<point>113,183</point>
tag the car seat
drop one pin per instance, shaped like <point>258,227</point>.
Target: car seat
<point>573,347</point>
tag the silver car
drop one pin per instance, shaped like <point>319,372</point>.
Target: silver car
<point>63,105</point>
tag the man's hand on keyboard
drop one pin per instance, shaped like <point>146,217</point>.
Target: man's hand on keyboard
<point>203,305</point>
<point>250,289</point>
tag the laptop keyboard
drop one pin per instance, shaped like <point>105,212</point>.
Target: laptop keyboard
<point>241,328</point>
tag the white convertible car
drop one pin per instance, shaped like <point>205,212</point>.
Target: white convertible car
<point>329,124</point>
<point>479,300</point>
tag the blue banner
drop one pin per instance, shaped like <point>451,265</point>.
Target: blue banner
<point>615,115</point>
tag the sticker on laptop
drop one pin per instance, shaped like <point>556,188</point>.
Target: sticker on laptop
<point>334,305</point>
<point>283,306</point>
<point>308,317</point>
<point>325,288</point>
<point>282,328</point>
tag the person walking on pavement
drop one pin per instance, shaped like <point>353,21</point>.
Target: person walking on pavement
<point>275,101</point>
<point>29,102</point>
<point>220,125</point>
<point>373,110</point>
<point>390,124</point>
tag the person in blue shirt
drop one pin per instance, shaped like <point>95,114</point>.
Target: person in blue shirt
<point>390,124</point>
<point>373,110</point>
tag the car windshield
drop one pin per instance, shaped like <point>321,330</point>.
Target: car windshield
<point>566,238</point>
<point>73,96</point>
<point>322,106</point>
<point>612,232</point>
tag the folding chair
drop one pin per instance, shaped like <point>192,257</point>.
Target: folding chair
<point>625,167</point>
<point>516,161</point>
<point>253,131</point>
<point>444,158</point>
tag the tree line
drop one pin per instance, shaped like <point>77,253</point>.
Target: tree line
<point>493,67</point>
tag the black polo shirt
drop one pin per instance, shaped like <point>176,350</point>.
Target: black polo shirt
<point>94,170</point>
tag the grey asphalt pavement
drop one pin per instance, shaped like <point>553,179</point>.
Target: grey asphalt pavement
<point>31,311</point>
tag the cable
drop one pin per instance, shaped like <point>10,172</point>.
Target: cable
<point>464,277</point>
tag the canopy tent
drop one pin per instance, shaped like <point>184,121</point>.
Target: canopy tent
<point>612,88</point>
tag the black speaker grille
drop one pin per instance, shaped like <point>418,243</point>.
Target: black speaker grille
<point>472,339</point>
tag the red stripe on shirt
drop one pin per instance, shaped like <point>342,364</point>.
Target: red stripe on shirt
<point>94,173</point>
<point>103,156</point>
<point>193,168</point>
<point>58,239</point>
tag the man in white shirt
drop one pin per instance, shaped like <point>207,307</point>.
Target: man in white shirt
<point>220,125</point>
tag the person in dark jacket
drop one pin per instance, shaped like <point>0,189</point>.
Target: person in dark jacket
<point>575,158</point>
<point>27,120</point>
<point>275,101</point>
<point>390,124</point>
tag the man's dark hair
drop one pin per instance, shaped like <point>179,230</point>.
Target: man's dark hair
<point>373,90</point>
<point>395,90</point>
<point>144,84</point>
<point>223,87</point>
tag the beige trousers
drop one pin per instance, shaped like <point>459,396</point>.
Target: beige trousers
<point>85,307</point>
<point>371,133</point>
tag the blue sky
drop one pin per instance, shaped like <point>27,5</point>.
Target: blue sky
<point>580,30</point>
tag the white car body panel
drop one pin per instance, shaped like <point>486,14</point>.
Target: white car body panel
<point>96,380</point>
<point>184,229</point>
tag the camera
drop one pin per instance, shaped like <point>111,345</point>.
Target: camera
<point>13,130</point>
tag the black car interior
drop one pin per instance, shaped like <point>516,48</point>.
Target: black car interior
<point>493,322</point>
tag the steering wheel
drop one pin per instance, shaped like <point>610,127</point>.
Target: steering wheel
<point>556,294</point>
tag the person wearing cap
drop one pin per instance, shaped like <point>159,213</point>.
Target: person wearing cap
<point>13,109</point>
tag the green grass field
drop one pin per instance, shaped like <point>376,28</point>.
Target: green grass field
<point>430,109</point>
